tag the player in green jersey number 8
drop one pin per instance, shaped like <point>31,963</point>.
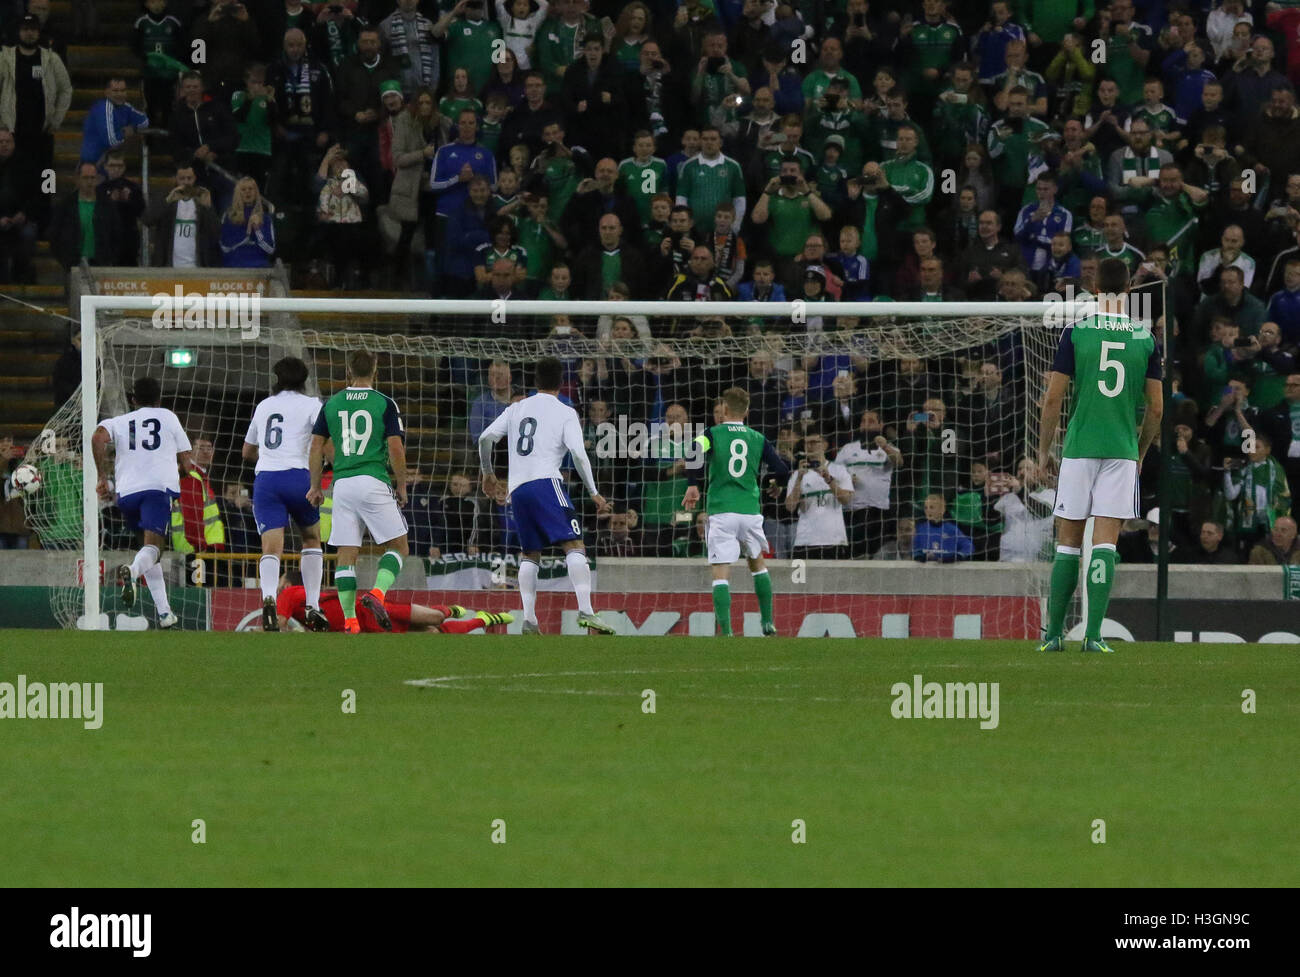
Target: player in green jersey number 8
<point>735,453</point>
<point>1105,354</point>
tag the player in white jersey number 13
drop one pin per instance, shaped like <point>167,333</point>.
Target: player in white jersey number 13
<point>151,454</point>
<point>1115,365</point>
<point>540,431</point>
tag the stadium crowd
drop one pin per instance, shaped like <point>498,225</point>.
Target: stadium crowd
<point>853,150</point>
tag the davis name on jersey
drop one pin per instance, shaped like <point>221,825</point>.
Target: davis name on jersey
<point>281,428</point>
<point>540,430</point>
<point>146,443</point>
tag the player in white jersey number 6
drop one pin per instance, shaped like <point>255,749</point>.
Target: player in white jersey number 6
<point>151,452</point>
<point>279,441</point>
<point>541,430</point>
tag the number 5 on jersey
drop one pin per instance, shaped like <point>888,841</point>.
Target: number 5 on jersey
<point>1108,364</point>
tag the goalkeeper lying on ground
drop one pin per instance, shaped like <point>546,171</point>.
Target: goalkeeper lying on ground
<point>291,604</point>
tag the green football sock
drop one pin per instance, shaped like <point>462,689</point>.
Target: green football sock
<point>390,565</point>
<point>345,579</point>
<point>763,588</point>
<point>1065,578</point>
<point>722,605</point>
<point>1101,574</point>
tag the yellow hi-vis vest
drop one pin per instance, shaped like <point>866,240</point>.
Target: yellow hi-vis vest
<point>326,513</point>
<point>214,530</point>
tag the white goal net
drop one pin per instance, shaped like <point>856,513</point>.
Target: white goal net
<point>920,511</point>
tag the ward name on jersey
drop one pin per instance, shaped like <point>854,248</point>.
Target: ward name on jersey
<point>735,453</point>
<point>360,420</point>
<point>540,430</point>
<point>1110,358</point>
<point>146,442</point>
<point>282,428</point>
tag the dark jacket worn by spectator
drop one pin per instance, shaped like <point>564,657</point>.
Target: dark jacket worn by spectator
<point>979,257</point>
<point>127,197</point>
<point>582,216</point>
<point>209,124</point>
<point>66,232</point>
<point>357,84</point>
<point>463,523</point>
<point>229,43</point>
<point>423,512</point>
<point>207,234</point>
<point>687,287</point>
<point>594,104</point>
<point>633,263</point>
<point>304,92</point>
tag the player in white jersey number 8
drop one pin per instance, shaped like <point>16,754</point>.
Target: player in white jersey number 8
<point>541,430</point>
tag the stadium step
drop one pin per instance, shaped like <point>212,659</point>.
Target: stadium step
<point>30,364</point>
<point>25,383</point>
<point>42,295</point>
<point>115,19</point>
<point>28,411</point>
<point>24,432</point>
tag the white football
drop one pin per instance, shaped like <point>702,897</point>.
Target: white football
<point>27,479</point>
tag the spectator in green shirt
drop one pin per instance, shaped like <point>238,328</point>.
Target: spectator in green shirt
<point>1173,218</point>
<point>256,115</point>
<point>829,68</point>
<point>471,42</point>
<point>717,80</point>
<point>84,225</point>
<point>792,206</point>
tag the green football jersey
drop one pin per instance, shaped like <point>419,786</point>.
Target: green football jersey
<point>165,36</point>
<point>360,420</point>
<point>704,185</point>
<point>538,245</point>
<point>470,45</point>
<point>643,181</point>
<point>735,455</point>
<point>934,45</point>
<point>791,220</point>
<point>1110,358</point>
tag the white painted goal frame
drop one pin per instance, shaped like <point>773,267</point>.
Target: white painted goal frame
<point>93,305</point>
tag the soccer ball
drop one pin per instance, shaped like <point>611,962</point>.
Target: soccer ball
<point>26,479</point>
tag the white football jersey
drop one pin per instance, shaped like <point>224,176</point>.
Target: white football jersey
<point>871,471</point>
<point>541,430</point>
<point>821,514</point>
<point>146,442</point>
<point>281,429</point>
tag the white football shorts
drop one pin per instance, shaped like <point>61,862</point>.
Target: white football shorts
<point>363,501</point>
<point>1097,487</point>
<point>729,533</point>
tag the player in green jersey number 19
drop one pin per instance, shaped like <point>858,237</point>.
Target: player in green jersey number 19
<point>735,453</point>
<point>367,433</point>
<point>1115,366</point>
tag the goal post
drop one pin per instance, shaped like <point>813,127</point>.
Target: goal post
<point>424,335</point>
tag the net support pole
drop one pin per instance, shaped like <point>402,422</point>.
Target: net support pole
<point>89,476</point>
<point>1163,629</point>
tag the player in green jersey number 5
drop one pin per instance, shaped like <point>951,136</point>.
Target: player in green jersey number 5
<point>1115,366</point>
<point>367,432</point>
<point>733,454</point>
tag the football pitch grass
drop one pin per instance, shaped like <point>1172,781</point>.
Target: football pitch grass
<point>550,735</point>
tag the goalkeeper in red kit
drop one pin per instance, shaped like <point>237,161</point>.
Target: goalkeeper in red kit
<point>448,618</point>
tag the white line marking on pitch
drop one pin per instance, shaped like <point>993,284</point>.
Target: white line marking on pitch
<point>455,682</point>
